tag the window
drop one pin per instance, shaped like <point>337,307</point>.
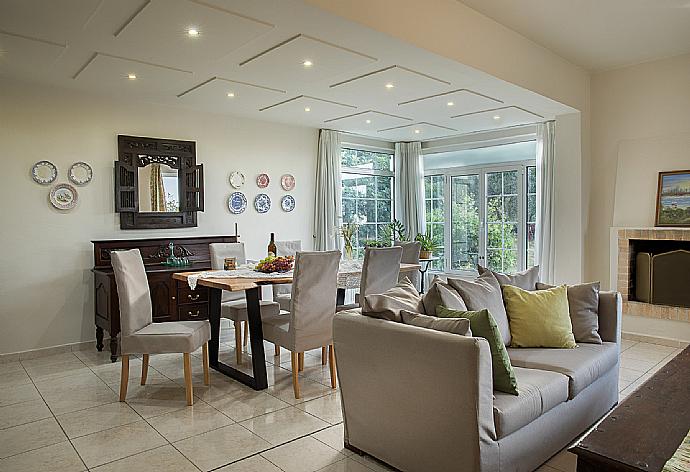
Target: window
<point>489,198</point>
<point>367,193</point>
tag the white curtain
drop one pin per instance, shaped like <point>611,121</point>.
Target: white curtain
<point>328,182</point>
<point>409,187</point>
<point>545,246</point>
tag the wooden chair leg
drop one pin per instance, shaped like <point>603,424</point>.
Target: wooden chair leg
<point>204,354</point>
<point>277,350</point>
<point>144,368</point>
<point>238,342</point>
<point>331,361</point>
<point>246,335</point>
<point>324,355</point>
<point>301,361</point>
<point>124,377</point>
<point>294,363</point>
<point>188,377</point>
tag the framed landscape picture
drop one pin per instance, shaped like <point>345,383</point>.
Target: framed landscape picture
<point>673,199</point>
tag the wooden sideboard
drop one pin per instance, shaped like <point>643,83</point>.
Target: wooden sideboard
<point>172,300</point>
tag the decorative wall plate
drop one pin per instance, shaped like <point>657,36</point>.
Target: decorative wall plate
<point>44,172</point>
<point>237,179</point>
<point>237,203</point>
<point>287,203</point>
<point>287,181</point>
<point>262,203</point>
<point>80,173</point>
<point>63,196</point>
<point>262,180</point>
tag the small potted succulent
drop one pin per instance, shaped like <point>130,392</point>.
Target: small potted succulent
<point>428,245</point>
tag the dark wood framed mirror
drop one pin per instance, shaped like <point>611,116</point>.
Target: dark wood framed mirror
<point>158,184</point>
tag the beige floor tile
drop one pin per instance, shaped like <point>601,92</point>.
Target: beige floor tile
<point>154,400</point>
<point>346,465</point>
<point>334,437</point>
<point>327,408</point>
<point>221,387</point>
<point>162,459</point>
<point>8,367</point>
<point>79,399</point>
<point>59,457</point>
<point>93,358</point>
<point>546,468</point>
<point>627,344</point>
<point>50,360</point>
<point>564,461</point>
<point>116,443</point>
<point>251,464</point>
<point>284,425</point>
<point>248,404</point>
<point>636,364</point>
<point>83,422</point>
<point>40,369</point>
<point>188,422</point>
<point>221,446</point>
<point>649,356</point>
<point>18,394</point>
<point>371,463</point>
<point>303,455</point>
<point>30,436</point>
<point>629,374</point>
<point>308,390</point>
<point>21,413</point>
<point>15,377</point>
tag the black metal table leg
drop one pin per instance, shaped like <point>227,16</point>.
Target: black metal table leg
<point>259,380</point>
<point>423,275</point>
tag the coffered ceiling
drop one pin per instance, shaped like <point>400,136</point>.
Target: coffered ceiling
<point>277,60</point>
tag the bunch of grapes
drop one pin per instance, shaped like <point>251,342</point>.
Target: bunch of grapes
<point>275,264</point>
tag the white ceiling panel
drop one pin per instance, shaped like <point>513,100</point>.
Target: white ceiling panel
<point>416,132</point>
<point>27,56</point>
<point>159,33</point>
<point>389,87</point>
<point>305,109</point>
<point>303,59</point>
<point>49,20</point>
<point>449,104</point>
<point>367,122</point>
<point>221,95</point>
<point>111,75</point>
<point>496,118</point>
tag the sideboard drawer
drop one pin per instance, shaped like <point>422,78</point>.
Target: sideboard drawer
<point>187,295</point>
<point>193,312</point>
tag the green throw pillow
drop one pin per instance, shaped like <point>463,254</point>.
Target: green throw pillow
<point>540,318</point>
<point>484,326</point>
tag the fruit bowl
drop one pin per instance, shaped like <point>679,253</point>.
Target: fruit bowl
<point>275,264</point>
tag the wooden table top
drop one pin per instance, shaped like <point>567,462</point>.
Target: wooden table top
<point>644,431</point>
<point>244,283</point>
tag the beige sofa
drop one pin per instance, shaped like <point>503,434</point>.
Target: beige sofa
<point>423,400</point>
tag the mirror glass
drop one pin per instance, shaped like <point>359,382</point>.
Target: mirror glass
<point>158,189</point>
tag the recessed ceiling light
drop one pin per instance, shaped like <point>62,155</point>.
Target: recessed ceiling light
<point>193,32</point>
<point>307,63</point>
<point>417,131</point>
<point>368,121</point>
<point>307,109</point>
<point>231,94</point>
<point>389,86</point>
<point>497,117</point>
<point>450,104</point>
<point>131,76</point>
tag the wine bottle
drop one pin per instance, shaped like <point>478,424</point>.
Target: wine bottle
<point>272,246</point>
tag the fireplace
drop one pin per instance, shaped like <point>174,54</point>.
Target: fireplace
<point>654,272</point>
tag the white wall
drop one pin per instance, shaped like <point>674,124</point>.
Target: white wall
<point>46,285</point>
<point>640,126</point>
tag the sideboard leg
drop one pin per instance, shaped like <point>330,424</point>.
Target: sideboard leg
<point>113,348</point>
<point>99,338</point>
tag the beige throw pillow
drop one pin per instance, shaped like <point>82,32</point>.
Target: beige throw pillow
<point>459,326</point>
<point>583,303</point>
<point>442,294</point>
<point>526,280</point>
<point>389,304</point>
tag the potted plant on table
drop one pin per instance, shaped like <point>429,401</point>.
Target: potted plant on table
<point>428,245</point>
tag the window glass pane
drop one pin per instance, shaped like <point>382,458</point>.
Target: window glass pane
<point>531,179</point>
<point>510,186</point>
<point>494,183</point>
<point>464,221</point>
<point>494,209</point>
<point>502,222</point>
<point>366,159</point>
<point>531,214</point>
<point>510,208</point>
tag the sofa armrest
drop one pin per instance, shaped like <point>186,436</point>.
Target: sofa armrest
<point>610,316</point>
<point>415,398</point>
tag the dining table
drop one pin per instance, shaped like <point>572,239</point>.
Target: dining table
<point>250,282</point>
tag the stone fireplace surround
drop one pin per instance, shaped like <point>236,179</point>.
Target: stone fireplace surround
<point>624,282</point>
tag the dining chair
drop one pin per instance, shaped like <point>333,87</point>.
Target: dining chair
<point>281,292</point>
<point>233,304</point>
<point>140,335</point>
<point>380,270</point>
<point>410,255</point>
<point>312,308</point>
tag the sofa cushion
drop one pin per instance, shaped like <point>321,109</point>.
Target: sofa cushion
<point>540,391</point>
<point>459,326</point>
<point>170,337</point>
<point>526,280</point>
<point>583,303</point>
<point>387,305</point>
<point>583,365</point>
<point>442,294</point>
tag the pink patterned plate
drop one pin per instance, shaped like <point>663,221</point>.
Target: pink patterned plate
<point>262,180</point>
<point>287,181</point>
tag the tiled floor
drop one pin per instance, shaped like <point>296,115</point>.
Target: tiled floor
<point>61,413</point>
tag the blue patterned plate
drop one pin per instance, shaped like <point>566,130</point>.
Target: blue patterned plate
<point>262,203</point>
<point>237,203</point>
<point>287,203</point>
